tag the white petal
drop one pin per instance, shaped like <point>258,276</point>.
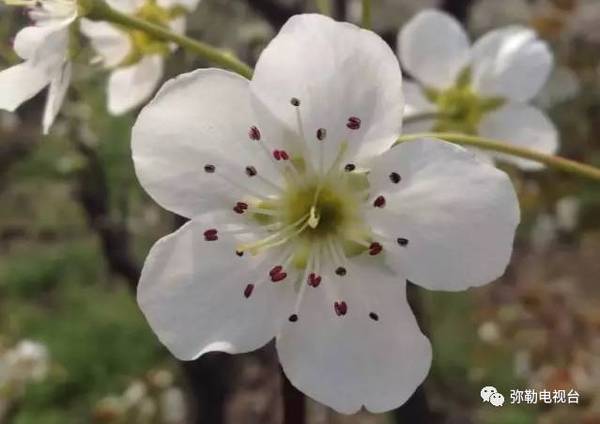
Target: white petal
<point>30,39</point>
<point>131,86</point>
<point>522,126</point>
<point>415,104</point>
<point>347,362</point>
<point>197,119</point>
<point>45,47</point>
<point>511,62</point>
<point>434,48</point>
<point>20,83</point>
<point>178,25</point>
<point>56,95</point>
<point>337,71</point>
<point>192,294</point>
<point>458,214</point>
<point>190,5</point>
<point>112,44</point>
<point>126,6</point>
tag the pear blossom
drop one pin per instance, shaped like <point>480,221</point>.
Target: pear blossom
<point>136,59</point>
<point>305,223</point>
<point>481,90</point>
<point>44,47</point>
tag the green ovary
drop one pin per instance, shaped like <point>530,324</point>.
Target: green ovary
<point>335,207</point>
<point>461,109</point>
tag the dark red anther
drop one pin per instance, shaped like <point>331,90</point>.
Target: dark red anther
<point>349,167</point>
<point>395,177</point>
<point>211,235</point>
<point>240,207</point>
<point>340,308</point>
<point>402,241</point>
<point>341,271</point>
<point>293,318</point>
<point>248,290</point>
<point>275,270</point>
<point>251,171</point>
<point>314,280</point>
<point>240,253</point>
<point>254,133</point>
<point>375,248</point>
<point>379,202</point>
<point>280,155</point>
<point>209,169</point>
<point>280,276</point>
<point>353,123</point>
<point>321,134</point>
<point>374,316</point>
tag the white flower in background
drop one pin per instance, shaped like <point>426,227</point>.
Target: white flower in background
<point>44,46</point>
<point>305,225</point>
<point>135,58</point>
<point>27,361</point>
<point>482,89</point>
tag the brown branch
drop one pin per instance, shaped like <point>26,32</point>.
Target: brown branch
<point>458,8</point>
<point>92,192</point>
<point>294,404</point>
<point>274,12</point>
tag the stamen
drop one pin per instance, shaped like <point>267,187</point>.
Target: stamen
<point>379,202</point>
<point>295,102</point>
<point>209,169</point>
<point>293,318</point>
<point>341,271</point>
<point>275,270</point>
<point>353,123</point>
<point>240,254</point>
<point>375,248</point>
<point>314,280</point>
<point>211,235</point>
<point>278,277</point>
<point>321,134</point>
<point>278,238</point>
<point>240,207</point>
<point>350,167</point>
<point>254,133</point>
<point>340,308</point>
<point>248,290</point>
<point>280,155</point>
<point>374,316</point>
<point>402,241</point>
<point>313,220</point>
<point>251,171</point>
<point>395,177</point>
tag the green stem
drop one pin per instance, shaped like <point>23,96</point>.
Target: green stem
<point>100,11</point>
<point>551,161</point>
<point>366,19</point>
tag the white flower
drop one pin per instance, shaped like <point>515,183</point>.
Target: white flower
<point>482,89</point>
<point>45,48</point>
<point>135,58</point>
<point>27,361</point>
<point>305,225</point>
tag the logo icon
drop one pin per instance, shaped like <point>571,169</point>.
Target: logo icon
<point>490,394</point>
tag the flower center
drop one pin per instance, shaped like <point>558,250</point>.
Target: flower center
<point>461,108</point>
<point>144,44</point>
<point>313,210</point>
